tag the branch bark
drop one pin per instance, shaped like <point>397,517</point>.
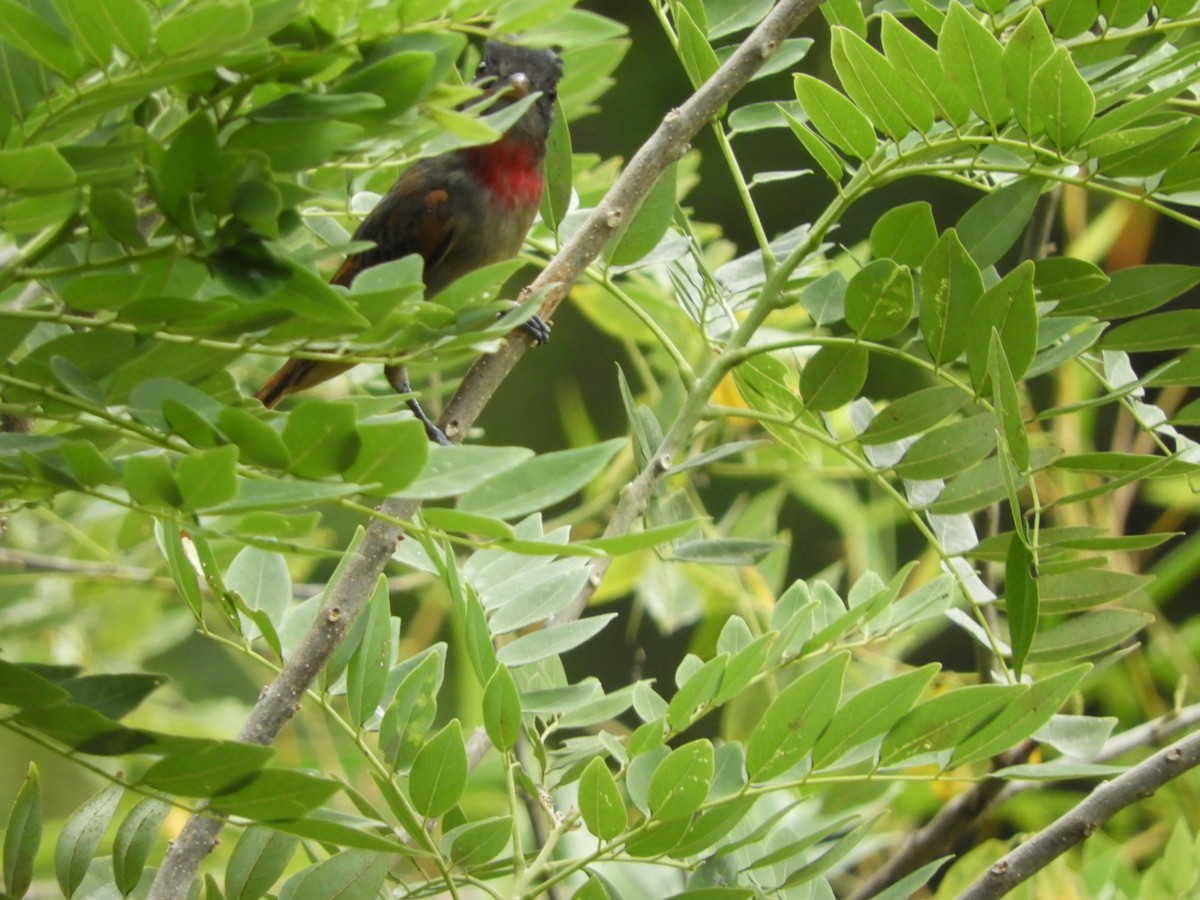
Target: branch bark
<point>281,699</point>
<point>1081,822</point>
<point>947,827</point>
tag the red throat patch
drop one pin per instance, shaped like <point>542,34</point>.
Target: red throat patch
<point>511,170</point>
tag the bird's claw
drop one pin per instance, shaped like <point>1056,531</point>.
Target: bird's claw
<point>537,329</point>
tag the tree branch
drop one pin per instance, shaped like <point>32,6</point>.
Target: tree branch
<point>281,699</point>
<point>1081,822</point>
<point>944,830</point>
<point>947,827</point>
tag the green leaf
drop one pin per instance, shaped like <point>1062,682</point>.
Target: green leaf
<point>972,60</point>
<point>339,835</point>
<point>439,772</point>
<point>390,454</point>
<point>877,88</point>
<point>537,483</point>
<point>794,721</point>
<point>35,169</point>
<point>321,438</point>
<point>476,843</point>
<point>209,478</point>
<point>410,713</point>
<point>468,523</point>
<point>829,162</point>
<point>1022,718</point>
<point>86,463</point>
<point>634,541</point>
<point>1060,277</point>
<point>847,14</point>
<point>600,802</point>
<point>552,641</point>
<point>112,695</point>
<point>1132,291</point>
<point>22,835</point>
<point>699,60</point>
<point>831,857</point>
<point>913,414</point>
<point>1070,18</point>
<point>1027,49</point>
<point>992,225</point>
<point>648,224</point>
<point>98,26</point>
<point>986,483</point>
<point>451,471</point>
<point>712,825</point>
<point>214,768</point>
<point>502,709</point>
<point>38,39</point>
<point>1088,634</point>
<point>944,721</point>
<point>1082,589</point>
<point>904,234</point>
<point>23,688</point>
<point>1177,329</point>
<point>870,713</point>
<point>1124,13</point>
<point>209,26</point>
<point>696,693</point>
<point>260,856</point>
<point>367,671</point>
<point>1009,309</point>
<point>951,285</point>
<point>1020,601</point>
<point>918,64</point>
<point>835,117</point>
<point>1063,101</point>
<point>879,300</point>
<point>1145,150</point>
<point>681,781</point>
<point>134,840</point>
<point>910,885</point>
<point>833,376</point>
<point>558,171</point>
<point>347,875</point>
<point>81,835</point>
<point>276,794</point>
<point>1007,407</point>
<point>259,443</point>
<point>1117,465</point>
<point>949,449</point>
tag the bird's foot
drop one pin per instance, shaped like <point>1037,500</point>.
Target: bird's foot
<point>537,329</point>
<point>397,377</point>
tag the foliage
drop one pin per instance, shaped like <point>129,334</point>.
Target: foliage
<point>967,412</point>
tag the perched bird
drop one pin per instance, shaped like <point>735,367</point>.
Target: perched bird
<point>460,211</point>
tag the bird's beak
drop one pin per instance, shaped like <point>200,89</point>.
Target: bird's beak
<point>516,86</point>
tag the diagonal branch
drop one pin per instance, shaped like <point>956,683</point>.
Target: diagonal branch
<point>957,817</point>
<point>281,699</point>
<point>1097,808</point>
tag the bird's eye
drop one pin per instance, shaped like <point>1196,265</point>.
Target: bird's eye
<point>482,68</point>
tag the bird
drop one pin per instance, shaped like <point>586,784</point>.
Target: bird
<point>462,210</point>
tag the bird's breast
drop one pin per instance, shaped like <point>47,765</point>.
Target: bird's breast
<point>511,173</point>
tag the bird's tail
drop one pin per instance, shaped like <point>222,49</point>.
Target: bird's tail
<point>297,375</point>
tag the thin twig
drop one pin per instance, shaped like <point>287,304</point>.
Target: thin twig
<point>1085,818</point>
<point>281,699</point>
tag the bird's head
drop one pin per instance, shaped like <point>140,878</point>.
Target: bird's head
<point>508,73</point>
